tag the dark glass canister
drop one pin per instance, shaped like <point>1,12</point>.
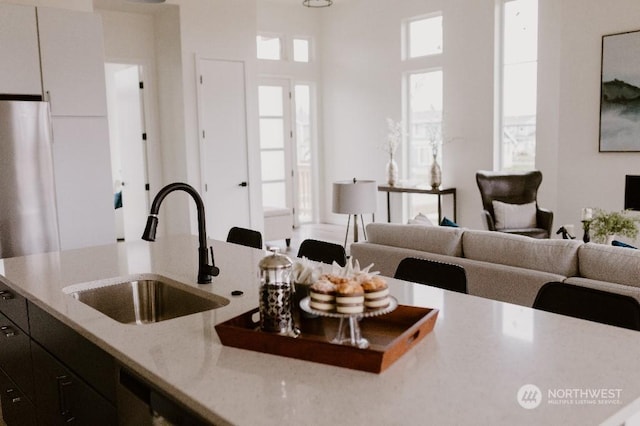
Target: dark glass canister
<point>277,295</point>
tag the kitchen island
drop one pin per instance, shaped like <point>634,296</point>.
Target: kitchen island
<point>468,370</point>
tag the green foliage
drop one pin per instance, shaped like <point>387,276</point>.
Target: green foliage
<point>613,223</point>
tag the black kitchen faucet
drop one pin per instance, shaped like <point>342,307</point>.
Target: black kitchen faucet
<point>205,270</point>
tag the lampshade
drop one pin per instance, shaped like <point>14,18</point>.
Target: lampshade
<point>354,196</point>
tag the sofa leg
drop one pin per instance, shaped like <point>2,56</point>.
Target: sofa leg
<point>288,241</point>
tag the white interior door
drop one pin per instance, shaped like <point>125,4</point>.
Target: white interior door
<point>223,134</point>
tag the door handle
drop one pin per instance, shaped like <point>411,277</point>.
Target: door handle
<point>243,184</point>
<point>6,295</point>
<point>63,383</point>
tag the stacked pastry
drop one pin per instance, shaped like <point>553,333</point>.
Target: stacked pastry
<point>349,291</point>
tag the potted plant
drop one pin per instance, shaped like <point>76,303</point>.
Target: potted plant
<point>606,225</point>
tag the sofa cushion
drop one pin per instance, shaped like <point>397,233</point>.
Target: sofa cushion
<point>609,263</point>
<point>554,256</point>
<point>432,239</point>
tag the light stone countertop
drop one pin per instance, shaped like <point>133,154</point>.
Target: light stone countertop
<point>468,370</point>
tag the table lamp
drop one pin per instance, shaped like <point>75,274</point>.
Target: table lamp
<point>354,197</point>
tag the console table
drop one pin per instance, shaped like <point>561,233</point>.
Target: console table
<point>420,190</point>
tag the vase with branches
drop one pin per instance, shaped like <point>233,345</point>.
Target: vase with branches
<point>605,225</point>
<point>395,133</point>
<point>434,140</point>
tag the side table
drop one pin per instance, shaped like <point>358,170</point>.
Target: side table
<point>420,190</point>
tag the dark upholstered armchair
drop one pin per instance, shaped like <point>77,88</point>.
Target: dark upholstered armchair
<point>516,190</point>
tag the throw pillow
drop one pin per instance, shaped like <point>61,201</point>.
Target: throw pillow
<point>514,216</point>
<point>420,219</point>
<point>621,244</point>
<point>448,222</point>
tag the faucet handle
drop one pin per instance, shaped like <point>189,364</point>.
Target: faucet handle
<point>214,269</point>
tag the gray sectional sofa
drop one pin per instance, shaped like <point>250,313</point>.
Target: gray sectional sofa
<point>505,267</point>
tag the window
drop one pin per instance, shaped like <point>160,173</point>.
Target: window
<point>425,122</point>
<point>519,84</point>
<point>423,37</point>
<point>300,50</point>
<point>423,106</point>
<point>269,47</point>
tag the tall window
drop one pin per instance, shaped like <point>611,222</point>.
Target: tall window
<point>519,84</point>
<point>424,122</point>
<point>423,48</point>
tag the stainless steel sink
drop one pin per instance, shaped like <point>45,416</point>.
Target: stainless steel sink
<point>146,299</point>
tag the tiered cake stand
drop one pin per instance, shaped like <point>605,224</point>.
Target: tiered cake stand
<point>350,321</point>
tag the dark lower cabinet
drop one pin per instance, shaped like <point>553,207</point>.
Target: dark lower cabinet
<point>62,398</point>
<point>51,375</point>
<point>15,355</point>
<point>17,409</point>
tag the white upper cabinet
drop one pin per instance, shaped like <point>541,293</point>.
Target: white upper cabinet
<point>19,43</point>
<point>72,54</point>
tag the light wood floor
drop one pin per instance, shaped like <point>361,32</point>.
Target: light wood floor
<point>323,231</point>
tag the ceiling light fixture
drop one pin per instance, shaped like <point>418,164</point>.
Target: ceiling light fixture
<point>317,3</point>
<point>146,1</point>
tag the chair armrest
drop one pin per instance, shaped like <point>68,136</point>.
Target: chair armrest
<point>545,219</point>
<point>488,221</point>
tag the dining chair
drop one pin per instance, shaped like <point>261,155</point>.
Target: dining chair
<point>589,304</point>
<point>245,237</point>
<point>323,251</point>
<point>433,273</point>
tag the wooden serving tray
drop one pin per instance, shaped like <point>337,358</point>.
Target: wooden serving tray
<point>390,336</point>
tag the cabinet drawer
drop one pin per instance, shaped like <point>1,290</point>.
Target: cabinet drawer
<point>14,306</point>
<point>15,356</point>
<point>62,397</point>
<point>84,358</point>
<point>17,410</point>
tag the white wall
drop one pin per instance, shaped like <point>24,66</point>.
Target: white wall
<point>224,29</point>
<point>585,176</point>
<point>130,38</point>
<point>362,74</point>
<point>289,21</point>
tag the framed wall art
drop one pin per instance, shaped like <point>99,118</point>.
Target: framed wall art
<point>620,93</point>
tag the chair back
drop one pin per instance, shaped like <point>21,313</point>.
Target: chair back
<point>323,251</point>
<point>589,304</point>
<point>245,237</point>
<point>512,187</point>
<point>430,272</point>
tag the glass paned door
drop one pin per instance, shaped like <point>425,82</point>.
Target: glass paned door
<point>304,154</point>
<point>275,143</point>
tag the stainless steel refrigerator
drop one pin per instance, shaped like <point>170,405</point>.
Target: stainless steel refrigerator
<point>28,220</point>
